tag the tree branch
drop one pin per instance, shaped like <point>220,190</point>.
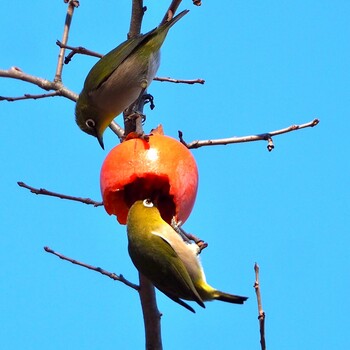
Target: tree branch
<point>173,8</point>
<point>29,96</point>
<point>77,50</point>
<point>146,290</point>
<point>260,137</point>
<point>137,13</point>
<point>261,316</point>
<point>72,4</point>
<point>171,11</point>
<point>111,275</point>
<point>59,195</point>
<point>117,129</point>
<point>58,87</point>
<point>17,73</point>
<point>179,81</point>
<point>151,314</point>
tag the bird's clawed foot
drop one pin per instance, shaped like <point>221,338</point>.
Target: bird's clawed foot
<point>148,98</point>
<point>188,237</point>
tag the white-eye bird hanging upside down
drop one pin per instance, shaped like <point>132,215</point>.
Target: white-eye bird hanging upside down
<point>171,264</point>
<point>119,79</point>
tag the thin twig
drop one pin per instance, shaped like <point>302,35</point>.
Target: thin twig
<point>58,87</point>
<point>179,81</point>
<point>173,8</point>
<point>261,316</point>
<point>17,73</point>
<point>30,96</point>
<point>260,137</point>
<point>59,195</point>
<point>111,275</point>
<point>72,4</point>
<point>77,50</point>
<point>171,11</point>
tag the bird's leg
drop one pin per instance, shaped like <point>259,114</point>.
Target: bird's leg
<point>200,243</point>
<point>188,237</point>
<point>134,118</point>
<point>148,98</point>
<point>133,115</point>
<point>177,227</point>
<point>141,101</point>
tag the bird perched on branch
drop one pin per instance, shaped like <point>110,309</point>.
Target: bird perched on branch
<point>170,263</point>
<point>119,79</point>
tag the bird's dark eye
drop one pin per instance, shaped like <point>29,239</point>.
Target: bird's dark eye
<point>90,123</point>
<point>148,203</point>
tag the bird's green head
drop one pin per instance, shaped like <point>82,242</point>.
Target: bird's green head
<point>88,118</point>
<point>143,211</point>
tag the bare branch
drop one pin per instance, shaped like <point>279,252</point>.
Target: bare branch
<point>171,11</point>
<point>58,87</point>
<point>17,73</point>
<point>179,81</point>
<point>261,316</point>
<point>173,8</point>
<point>151,314</point>
<point>117,129</point>
<point>29,97</point>
<point>260,137</point>
<point>111,275</point>
<point>72,4</point>
<point>137,13</point>
<point>77,50</point>
<point>59,195</point>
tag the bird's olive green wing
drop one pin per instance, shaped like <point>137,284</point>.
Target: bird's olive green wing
<point>184,287</point>
<point>158,261</point>
<point>103,69</point>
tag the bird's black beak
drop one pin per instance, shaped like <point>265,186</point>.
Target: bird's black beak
<point>100,140</point>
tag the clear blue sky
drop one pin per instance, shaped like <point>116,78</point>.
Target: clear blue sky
<point>267,65</point>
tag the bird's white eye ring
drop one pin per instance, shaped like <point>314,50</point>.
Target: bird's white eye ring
<point>148,203</point>
<point>90,123</point>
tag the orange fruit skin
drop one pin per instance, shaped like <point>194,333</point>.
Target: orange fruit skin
<point>161,169</point>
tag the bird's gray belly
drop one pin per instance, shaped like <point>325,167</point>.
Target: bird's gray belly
<point>125,84</point>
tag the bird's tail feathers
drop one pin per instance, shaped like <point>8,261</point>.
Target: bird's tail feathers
<point>229,298</point>
<point>172,21</point>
